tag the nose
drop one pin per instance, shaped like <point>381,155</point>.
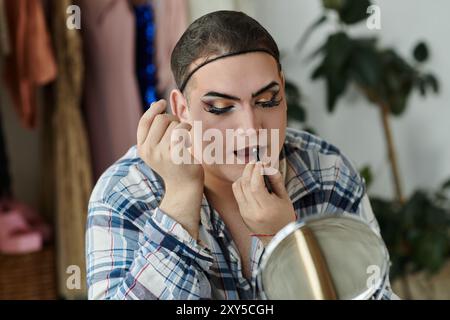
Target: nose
<point>249,119</point>
<point>249,125</point>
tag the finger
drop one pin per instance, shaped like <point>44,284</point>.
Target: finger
<point>147,118</point>
<point>277,184</point>
<point>173,136</point>
<point>246,179</point>
<point>257,186</point>
<point>238,192</point>
<point>172,139</point>
<point>257,181</point>
<point>166,138</point>
<point>247,173</point>
<point>159,128</point>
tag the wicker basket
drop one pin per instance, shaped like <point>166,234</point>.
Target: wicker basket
<point>28,277</point>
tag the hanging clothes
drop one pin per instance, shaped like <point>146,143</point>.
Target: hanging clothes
<point>171,20</point>
<point>145,51</point>
<point>112,105</point>
<point>72,170</point>
<point>5,46</point>
<point>5,178</point>
<point>30,62</point>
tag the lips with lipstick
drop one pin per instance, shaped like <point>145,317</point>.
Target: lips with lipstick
<point>254,153</point>
<point>246,154</point>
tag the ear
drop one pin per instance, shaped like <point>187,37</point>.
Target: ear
<point>179,106</point>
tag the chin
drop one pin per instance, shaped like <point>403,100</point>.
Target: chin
<point>227,172</point>
<point>235,172</point>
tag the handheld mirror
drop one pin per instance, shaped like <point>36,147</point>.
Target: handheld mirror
<point>327,257</point>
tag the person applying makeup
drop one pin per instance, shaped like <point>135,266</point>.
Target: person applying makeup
<point>196,230</point>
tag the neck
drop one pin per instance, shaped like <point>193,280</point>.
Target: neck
<point>220,194</point>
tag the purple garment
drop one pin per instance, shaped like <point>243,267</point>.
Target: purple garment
<point>111,96</point>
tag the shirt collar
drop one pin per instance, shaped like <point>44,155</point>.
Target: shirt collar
<point>210,219</point>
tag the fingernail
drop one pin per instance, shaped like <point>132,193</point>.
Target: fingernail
<point>269,171</point>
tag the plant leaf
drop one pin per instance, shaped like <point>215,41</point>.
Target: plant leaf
<point>397,104</point>
<point>336,86</point>
<point>420,52</point>
<point>302,41</point>
<point>365,66</point>
<point>338,50</point>
<point>366,174</point>
<point>292,92</point>
<point>296,112</point>
<point>422,84</point>
<point>310,130</point>
<point>333,4</point>
<point>432,82</point>
<point>318,72</point>
<point>353,11</point>
<point>446,185</point>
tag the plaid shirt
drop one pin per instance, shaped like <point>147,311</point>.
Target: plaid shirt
<point>136,251</point>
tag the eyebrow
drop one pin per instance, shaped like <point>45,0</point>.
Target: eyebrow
<point>230,97</point>
<point>264,89</point>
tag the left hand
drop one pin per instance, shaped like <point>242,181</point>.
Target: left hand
<point>263,212</point>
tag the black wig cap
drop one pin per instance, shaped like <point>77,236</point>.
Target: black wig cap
<point>226,55</point>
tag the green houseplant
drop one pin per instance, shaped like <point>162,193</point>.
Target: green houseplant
<point>416,230</point>
<point>381,74</point>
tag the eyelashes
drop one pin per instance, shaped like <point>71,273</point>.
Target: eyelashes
<point>267,104</point>
<point>215,110</point>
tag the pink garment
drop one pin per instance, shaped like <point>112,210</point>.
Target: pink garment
<point>171,19</point>
<point>111,98</point>
<point>21,229</point>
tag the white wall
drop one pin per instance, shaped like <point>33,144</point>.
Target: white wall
<point>422,134</point>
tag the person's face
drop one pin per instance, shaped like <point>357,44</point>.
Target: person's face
<point>240,93</point>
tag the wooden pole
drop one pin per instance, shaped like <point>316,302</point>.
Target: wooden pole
<point>395,176</point>
<point>391,152</point>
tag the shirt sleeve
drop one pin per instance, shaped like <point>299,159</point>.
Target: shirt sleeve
<point>162,261</point>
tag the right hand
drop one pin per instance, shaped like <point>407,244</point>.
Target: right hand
<point>154,146</point>
<point>183,182</point>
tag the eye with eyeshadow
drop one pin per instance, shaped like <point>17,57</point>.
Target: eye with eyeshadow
<point>215,110</point>
<point>273,102</point>
<point>267,99</point>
